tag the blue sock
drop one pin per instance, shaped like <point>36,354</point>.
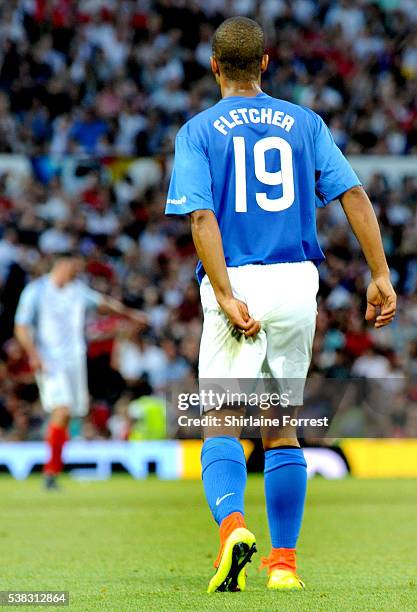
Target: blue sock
<point>285,491</point>
<point>224,476</point>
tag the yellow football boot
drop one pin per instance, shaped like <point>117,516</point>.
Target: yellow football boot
<point>284,580</point>
<point>235,554</point>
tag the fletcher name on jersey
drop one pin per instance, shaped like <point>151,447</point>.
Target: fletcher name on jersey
<point>239,116</point>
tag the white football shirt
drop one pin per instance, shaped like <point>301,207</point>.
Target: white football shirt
<point>57,316</point>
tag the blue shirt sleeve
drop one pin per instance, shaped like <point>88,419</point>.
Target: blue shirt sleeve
<point>334,174</point>
<point>190,186</point>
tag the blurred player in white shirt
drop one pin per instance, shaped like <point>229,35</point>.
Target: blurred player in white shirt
<point>49,324</point>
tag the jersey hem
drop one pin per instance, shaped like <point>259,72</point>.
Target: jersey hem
<point>201,273</point>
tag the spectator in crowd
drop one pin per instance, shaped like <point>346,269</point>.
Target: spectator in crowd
<point>113,77</point>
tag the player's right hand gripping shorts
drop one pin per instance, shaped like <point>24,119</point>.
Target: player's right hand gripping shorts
<point>283,298</point>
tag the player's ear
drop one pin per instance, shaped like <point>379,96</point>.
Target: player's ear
<point>264,62</point>
<point>214,66</point>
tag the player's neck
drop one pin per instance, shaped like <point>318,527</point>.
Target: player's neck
<point>246,89</point>
<point>57,279</point>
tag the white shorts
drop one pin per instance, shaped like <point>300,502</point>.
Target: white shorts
<point>283,298</point>
<point>64,386</point>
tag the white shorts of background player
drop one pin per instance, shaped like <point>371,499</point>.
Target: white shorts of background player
<point>64,385</point>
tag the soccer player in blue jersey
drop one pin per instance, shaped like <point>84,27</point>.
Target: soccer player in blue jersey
<point>250,171</point>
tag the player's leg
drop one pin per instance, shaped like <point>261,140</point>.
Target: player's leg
<point>290,339</point>
<point>226,355</point>
<point>65,394</point>
<point>285,483</point>
<point>56,437</point>
<point>224,479</point>
<point>55,394</point>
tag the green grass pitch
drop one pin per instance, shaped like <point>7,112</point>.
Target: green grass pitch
<point>149,545</point>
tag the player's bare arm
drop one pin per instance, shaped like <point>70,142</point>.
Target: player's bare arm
<point>380,295</point>
<point>23,334</point>
<point>209,247</point>
<point>110,305</point>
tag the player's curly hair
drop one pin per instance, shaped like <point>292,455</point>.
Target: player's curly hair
<point>238,46</point>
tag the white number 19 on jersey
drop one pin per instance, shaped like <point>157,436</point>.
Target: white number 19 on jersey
<point>284,177</point>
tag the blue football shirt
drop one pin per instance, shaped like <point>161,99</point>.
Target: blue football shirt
<point>262,165</point>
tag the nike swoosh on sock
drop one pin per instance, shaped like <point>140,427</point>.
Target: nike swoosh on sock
<point>220,499</point>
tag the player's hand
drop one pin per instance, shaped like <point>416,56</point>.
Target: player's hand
<point>138,317</point>
<point>35,362</point>
<point>382,302</point>
<point>238,315</point>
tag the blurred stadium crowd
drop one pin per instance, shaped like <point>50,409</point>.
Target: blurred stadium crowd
<point>109,82</point>
<point>119,76</point>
